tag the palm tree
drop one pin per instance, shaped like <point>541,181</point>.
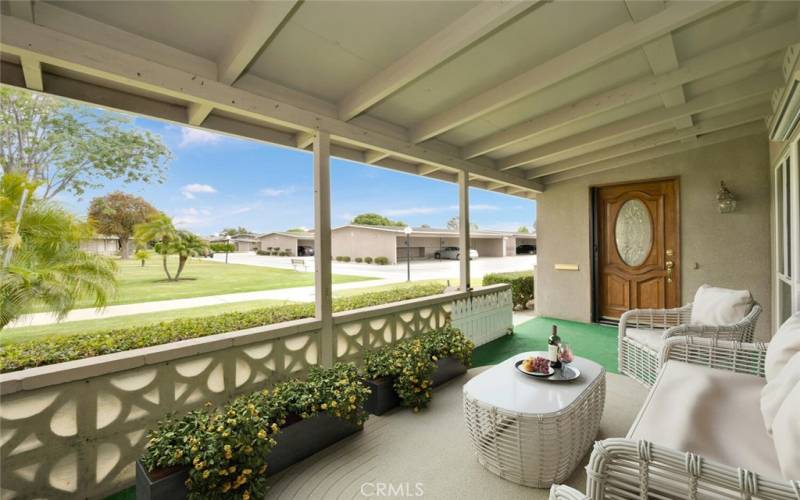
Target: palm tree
<point>186,245</point>
<point>42,258</point>
<point>160,230</point>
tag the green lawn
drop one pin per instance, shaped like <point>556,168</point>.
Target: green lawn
<point>392,286</point>
<point>14,335</point>
<point>201,277</point>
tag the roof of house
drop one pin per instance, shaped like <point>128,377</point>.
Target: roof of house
<point>298,235</point>
<point>429,231</point>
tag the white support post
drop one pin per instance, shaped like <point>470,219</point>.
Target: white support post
<point>322,247</point>
<point>463,229</point>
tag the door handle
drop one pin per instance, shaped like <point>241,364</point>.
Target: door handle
<point>669,264</point>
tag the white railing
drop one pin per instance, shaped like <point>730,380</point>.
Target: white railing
<point>75,429</point>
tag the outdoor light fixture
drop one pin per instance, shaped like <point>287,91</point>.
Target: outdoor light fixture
<point>407,231</point>
<point>725,199</point>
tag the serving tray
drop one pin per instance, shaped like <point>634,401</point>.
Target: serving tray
<point>564,374</point>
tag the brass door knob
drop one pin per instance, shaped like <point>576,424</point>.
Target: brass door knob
<point>669,264</point>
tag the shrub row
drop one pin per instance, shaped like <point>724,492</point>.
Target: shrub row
<point>282,253</point>
<point>412,362</point>
<point>521,285</point>
<point>382,261</point>
<point>71,347</point>
<point>228,447</point>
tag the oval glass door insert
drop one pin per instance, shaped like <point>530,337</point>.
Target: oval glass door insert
<point>633,233</point>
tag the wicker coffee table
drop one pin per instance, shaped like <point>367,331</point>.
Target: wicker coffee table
<point>531,431</point>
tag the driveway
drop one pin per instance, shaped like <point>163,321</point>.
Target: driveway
<point>420,269</point>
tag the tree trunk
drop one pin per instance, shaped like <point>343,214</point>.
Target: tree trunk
<point>164,261</point>
<point>181,262</point>
<point>124,248</point>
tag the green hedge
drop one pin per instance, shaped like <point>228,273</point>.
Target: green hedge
<point>71,347</point>
<point>521,285</point>
<point>381,261</point>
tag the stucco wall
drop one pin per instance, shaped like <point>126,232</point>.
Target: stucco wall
<point>359,242</point>
<point>279,241</point>
<point>729,250</point>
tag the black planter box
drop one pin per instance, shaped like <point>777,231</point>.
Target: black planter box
<point>383,398</point>
<point>295,442</point>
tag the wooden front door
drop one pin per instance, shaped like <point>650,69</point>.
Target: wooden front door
<point>637,247</point>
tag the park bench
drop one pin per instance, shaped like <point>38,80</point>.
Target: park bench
<point>296,263</point>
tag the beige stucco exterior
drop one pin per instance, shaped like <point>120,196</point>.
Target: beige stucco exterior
<point>101,245</point>
<point>362,242</point>
<point>729,250</point>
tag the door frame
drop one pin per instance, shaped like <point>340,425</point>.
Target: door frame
<point>594,239</point>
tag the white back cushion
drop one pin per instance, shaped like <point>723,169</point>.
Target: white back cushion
<point>715,306</point>
<point>775,392</point>
<point>782,347</point>
<point>786,435</point>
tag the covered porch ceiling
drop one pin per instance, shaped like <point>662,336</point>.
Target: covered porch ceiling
<point>519,95</point>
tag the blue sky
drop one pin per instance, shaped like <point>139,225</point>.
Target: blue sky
<point>216,181</point>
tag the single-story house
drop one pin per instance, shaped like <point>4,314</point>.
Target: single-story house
<point>355,240</point>
<point>291,241</point>
<point>243,242</point>
<point>101,244</point>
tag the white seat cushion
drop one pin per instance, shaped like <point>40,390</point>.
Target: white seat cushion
<point>646,337</point>
<point>786,432</point>
<point>715,306</point>
<point>774,394</point>
<point>713,413</point>
<point>784,345</point>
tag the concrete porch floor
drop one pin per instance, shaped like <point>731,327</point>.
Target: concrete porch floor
<point>432,448</point>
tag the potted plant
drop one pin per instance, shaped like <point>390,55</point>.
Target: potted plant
<point>229,451</point>
<point>404,373</point>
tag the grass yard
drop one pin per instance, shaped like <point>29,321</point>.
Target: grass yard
<point>21,334</point>
<point>200,278</point>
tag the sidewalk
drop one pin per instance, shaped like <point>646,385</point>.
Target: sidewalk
<point>297,294</point>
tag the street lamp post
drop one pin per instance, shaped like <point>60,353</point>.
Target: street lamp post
<point>227,248</point>
<point>407,231</point>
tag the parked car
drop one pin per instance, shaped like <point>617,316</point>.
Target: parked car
<point>454,253</point>
<point>305,251</point>
<point>526,250</point>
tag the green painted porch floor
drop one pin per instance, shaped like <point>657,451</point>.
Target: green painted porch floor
<point>592,341</point>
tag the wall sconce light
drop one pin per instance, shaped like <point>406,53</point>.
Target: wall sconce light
<point>725,199</point>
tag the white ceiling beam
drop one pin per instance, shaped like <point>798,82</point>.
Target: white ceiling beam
<point>264,22</point>
<point>447,42</point>
<point>196,113</point>
<point>32,71</point>
<point>304,139</point>
<point>622,129</point>
<point>728,120</point>
<point>657,152</point>
<point>54,48</point>
<point>427,169</point>
<point>661,56</point>
<point>745,50</point>
<point>597,50</point>
<point>375,156</point>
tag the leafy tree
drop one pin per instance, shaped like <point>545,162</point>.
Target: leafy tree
<point>42,260</point>
<point>296,230</point>
<point>233,231</point>
<point>373,219</point>
<point>117,214</point>
<point>186,245</point>
<point>161,232</point>
<point>71,148</point>
<point>425,226</point>
<point>222,247</point>
<point>523,229</point>
<point>142,255</point>
<point>454,224</point>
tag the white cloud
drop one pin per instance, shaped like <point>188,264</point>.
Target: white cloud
<point>190,190</point>
<point>194,137</point>
<point>275,192</point>
<point>483,208</point>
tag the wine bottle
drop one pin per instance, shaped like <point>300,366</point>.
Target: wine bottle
<point>553,344</point>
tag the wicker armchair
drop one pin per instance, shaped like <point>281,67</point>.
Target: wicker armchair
<point>642,333</point>
<point>628,469</point>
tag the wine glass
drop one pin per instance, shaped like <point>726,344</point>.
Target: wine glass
<point>565,356</point>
